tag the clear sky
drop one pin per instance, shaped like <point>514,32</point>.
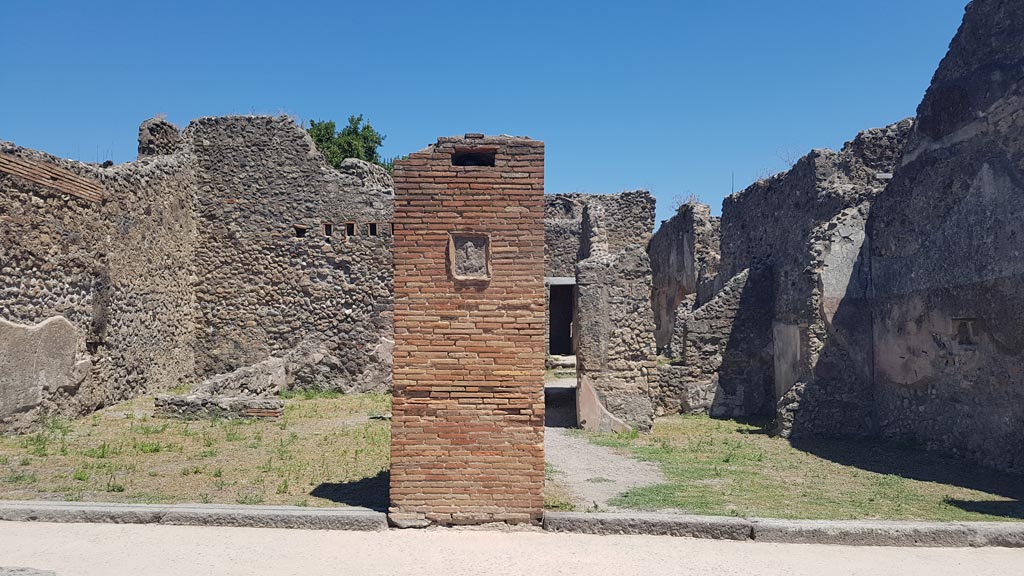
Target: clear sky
<point>680,97</point>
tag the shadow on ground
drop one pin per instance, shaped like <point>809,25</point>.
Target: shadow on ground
<point>915,463</point>
<point>759,425</point>
<point>369,493</point>
<point>560,405</point>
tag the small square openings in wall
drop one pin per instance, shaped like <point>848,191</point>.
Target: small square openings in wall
<point>328,231</point>
<point>300,230</point>
<point>469,256</point>
<point>476,156</point>
<point>963,331</point>
<point>371,229</point>
<point>350,229</point>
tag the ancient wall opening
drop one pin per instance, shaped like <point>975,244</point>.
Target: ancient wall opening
<point>561,315</point>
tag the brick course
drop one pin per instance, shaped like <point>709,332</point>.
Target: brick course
<point>468,414</point>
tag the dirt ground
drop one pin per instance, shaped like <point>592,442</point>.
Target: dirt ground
<point>327,450</point>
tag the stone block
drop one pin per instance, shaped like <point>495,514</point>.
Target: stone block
<point>34,359</point>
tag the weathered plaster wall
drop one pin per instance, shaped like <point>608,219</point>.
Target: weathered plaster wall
<point>822,336</point>
<point>947,254</point>
<point>37,360</point>
<point>262,289</point>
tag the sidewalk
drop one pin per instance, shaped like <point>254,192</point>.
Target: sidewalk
<point>157,550</point>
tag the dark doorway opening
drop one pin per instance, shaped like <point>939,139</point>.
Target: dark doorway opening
<point>560,327</point>
<point>560,403</point>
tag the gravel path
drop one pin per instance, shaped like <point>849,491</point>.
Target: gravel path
<point>594,474</point>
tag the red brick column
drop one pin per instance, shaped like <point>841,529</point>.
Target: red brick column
<point>467,429</point>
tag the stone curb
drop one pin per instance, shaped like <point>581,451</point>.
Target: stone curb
<point>879,533</point>
<point>359,519</point>
<point>717,527</point>
<point>838,532</point>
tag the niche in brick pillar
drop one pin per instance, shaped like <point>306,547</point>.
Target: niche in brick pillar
<point>468,414</point>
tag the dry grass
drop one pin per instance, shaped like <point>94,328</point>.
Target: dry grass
<point>723,467</point>
<point>325,451</point>
<point>556,495</point>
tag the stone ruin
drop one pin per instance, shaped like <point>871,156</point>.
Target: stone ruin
<point>231,245</point>
<point>598,280</point>
<point>221,247</point>
<point>778,258</point>
<point>877,291</point>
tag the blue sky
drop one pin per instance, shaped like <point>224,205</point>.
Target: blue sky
<point>679,97</point>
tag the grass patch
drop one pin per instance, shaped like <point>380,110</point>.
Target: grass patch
<point>728,468</point>
<point>122,454</point>
<point>556,495</point>
<point>21,478</point>
<point>559,503</point>
<point>104,450</point>
<point>310,395</point>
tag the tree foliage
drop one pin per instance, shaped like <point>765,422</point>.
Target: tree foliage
<point>356,140</point>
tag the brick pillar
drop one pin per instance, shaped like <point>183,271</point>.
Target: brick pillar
<point>467,429</point>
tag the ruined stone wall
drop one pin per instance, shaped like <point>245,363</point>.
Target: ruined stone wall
<point>630,222</point>
<point>616,365</point>
<point>786,231</point>
<point>291,253</point>
<point>946,248</point>
<point>146,333</point>
<point>215,242</point>
<point>726,353</point>
<point>468,412</point>
<point>767,224</point>
<point>116,265</point>
<point>684,255</point>
<point>822,336</point>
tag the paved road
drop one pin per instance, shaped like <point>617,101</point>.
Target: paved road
<point>111,550</point>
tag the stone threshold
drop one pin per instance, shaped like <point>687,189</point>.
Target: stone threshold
<point>837,532</point>
<point>297,517</point>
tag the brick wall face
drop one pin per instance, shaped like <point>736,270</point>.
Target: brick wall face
<point>468,414</point>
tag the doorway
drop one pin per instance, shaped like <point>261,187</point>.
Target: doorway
<point>561,333</point>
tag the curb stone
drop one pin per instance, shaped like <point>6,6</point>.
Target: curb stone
<point>837,532</point>
<point>717,527</point>
<point>359,519</point>
<point>880,533</point>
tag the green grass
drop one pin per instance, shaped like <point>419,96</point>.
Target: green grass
<point>309,394</point>
<point>556,495</point>
<point>122,454</point>
<point>723,467</point>
<point>20,478</point>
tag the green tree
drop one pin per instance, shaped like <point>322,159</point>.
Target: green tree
<point>356,140</point>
